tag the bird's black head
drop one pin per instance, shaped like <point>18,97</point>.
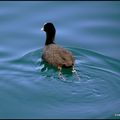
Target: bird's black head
<point>48,27</point>
<point>50,32</point>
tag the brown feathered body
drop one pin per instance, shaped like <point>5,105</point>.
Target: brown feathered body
<point>57,56</point>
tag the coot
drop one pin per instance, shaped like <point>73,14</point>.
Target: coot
<point>54,54</point>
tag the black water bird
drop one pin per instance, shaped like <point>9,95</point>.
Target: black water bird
<point>53,54</point>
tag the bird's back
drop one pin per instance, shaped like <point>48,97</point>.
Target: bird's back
<point>57,56</point>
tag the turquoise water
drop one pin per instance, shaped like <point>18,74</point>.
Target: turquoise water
<point>28,89</point>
